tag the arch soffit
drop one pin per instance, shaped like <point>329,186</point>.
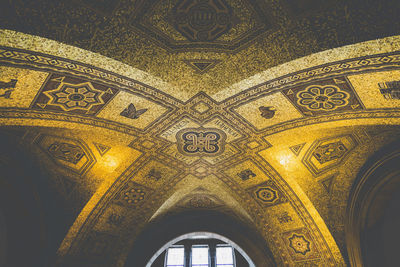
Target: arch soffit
<point>378,178</point>
<point>350,75</point>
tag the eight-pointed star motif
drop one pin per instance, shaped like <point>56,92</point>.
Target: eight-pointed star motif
<point>299,244</point>
<point>82,96</point>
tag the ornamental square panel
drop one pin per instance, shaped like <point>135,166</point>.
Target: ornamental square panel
<point>321,97</point>
<point>134,110</point>
<point>18,87</point>
<point>326,154</point>
<point>300,245</point>
<point>379,89</point>
<point>68,153</point>
<point>267,111</point>
<point>72,95</point>
<point>133,195</point>
<point>267,194</point>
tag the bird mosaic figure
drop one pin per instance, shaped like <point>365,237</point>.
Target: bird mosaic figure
<point>7,94</point>
<point>131,112</point>
<point>8,88</point>
<point>10,84</point>
<point>267,112</point>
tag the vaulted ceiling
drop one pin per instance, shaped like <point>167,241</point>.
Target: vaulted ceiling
<point>138,109</point>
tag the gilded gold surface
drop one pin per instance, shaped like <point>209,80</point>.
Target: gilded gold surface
<point>285,170</point>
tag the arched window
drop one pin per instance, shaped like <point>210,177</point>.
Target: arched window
<point>201,251</point>
<point>193,238</point>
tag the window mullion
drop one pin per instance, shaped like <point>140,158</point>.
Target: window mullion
<point>212,253</point>
<point>188,254</point>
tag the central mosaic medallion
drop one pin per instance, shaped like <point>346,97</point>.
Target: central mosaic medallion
<point>201,141</point>
<point>193,25</point>
<point>202,20</point>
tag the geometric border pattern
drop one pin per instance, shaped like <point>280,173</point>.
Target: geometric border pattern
<point>349,66</point>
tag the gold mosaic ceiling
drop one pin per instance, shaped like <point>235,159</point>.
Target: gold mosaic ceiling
<point>254,36</point>
<point>201,115</point>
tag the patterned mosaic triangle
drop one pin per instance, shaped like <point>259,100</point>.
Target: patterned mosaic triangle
<point>297,148</point>
<point>201,66</point>
<point>328,183</point>
<point>101,148</point>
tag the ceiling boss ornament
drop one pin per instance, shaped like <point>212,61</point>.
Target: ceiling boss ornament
<point>202,20</point>
<point>201,141</point>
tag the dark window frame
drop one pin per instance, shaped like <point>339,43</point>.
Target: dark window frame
<point>212,245</point>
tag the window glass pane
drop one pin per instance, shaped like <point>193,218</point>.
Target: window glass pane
<point>224,256</point>
<point>175,256</point>
<point>199,256</point>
